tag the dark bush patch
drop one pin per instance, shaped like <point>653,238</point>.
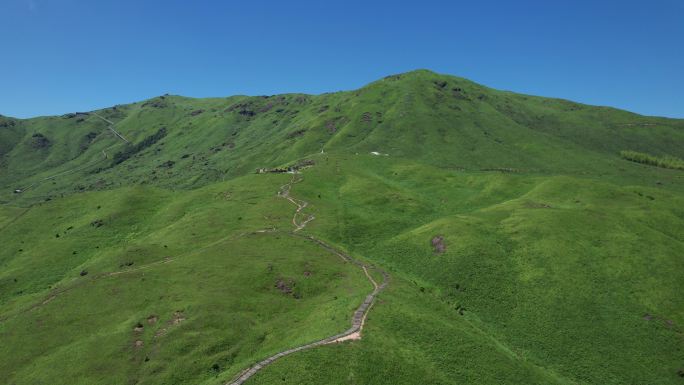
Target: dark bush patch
<point>131,150</point>
<point>301,99</point>
<point>441,84</point>
<point>295,134</point>
<point>39,141</point>
<point>83,273</point>
<point>6,123</point>
<point>244,109</point>
<point>159,102</point>
<point>266,108</point>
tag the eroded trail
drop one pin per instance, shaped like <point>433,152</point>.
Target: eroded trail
<point>359,316</point>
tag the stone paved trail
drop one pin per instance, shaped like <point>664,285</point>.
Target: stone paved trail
<point>359,316</point>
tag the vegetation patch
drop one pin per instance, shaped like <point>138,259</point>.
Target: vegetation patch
<point>652,160</point>
<point>39,141</point>
<point>131,150</point>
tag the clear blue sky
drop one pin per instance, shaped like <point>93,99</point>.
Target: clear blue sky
<point>60,56</point>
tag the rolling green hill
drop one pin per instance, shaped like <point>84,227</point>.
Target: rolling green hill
<point>522,245</point>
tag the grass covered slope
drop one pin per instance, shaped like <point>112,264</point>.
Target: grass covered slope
<point>139,280</point>
<point>522,247</point>
<point>557,272</point>
<point>439,120</point>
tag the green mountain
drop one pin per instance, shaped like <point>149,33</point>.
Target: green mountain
<point>527,240</point>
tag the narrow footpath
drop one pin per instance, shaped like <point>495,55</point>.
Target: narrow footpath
<point>110,127</point>
<point>359,316</point>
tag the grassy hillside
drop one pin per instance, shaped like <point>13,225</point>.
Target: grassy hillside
<point>420,116</point>
<point>522,246</point>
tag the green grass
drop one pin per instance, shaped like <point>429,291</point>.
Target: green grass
<point>563,260</point>
<point>218,274</point>
<point>665,162</point>
<point>557,271</point>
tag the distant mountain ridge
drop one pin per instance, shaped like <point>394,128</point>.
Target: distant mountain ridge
<point>443,120</point>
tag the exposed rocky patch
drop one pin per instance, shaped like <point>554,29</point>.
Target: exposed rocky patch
<point>178,317</point>
<point>284,286</point>
<point>167,164</point>
<point>367,117</point>
<point>537,205</point>
<point>438,244</point>
<point>334,124</point>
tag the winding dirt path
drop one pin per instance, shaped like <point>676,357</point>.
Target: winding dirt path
<point>359,316</point>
